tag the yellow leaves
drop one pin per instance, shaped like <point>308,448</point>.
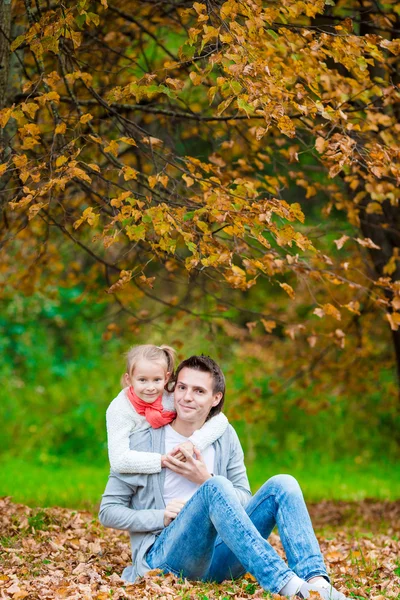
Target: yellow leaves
<point>30,129</point>
<point>86,77</point>
<point>393,46</point>
<point>321,145</point>
<point>118,201</point>
<point>353,306</point>
<point>224,105</point>
<point>51,96</point>
<point>89,217</point>
<point>129,173</point>
<point>159,178</point>
<point>296,212</point>
<point>30,108</point>
<point>152,141</point>
<point>52,79</point>
<point>269,326</point>
<point>286,126</point>
<point>75,36</point>
<point>3,168</point>
<point>74,171</point>
<point>328,309</point>
<point>148,281</point>
<point>288,289</point>
<point>394,320</point>
<point>61,160</point>
<point>128,140</point>
<point>201,10</point>
<point>152,181</point>
<point>17,42</point>
<point>341,241</point>
<point>195,78</point>
<point>20,161</point>
<point>85,118</point>
<point>60,128</point>
<point>367,243</point>
<point>189,180</point>
<point>391,265</point>
<point>29,143</point>
<point>236,277</point>
<point>124,279</point>
<point>5,115</point>
<point>175,84</point>
<point>112,148</point>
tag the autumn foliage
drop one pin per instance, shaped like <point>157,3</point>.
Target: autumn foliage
<point>67,554</point>
<point>180,151</point>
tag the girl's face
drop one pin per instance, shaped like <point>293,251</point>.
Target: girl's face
<point>148,380</point>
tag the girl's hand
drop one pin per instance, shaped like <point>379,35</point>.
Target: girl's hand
<point>178,454</point>
<point>172,510</point>
<point>193,469</point>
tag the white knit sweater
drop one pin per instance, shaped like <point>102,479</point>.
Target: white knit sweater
<point>123,420</point>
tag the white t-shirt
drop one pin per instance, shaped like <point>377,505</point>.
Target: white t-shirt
<point>175,485</point>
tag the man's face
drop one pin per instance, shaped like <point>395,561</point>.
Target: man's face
<point>194,396</point>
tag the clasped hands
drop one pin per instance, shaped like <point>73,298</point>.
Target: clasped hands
<point>181,461</point>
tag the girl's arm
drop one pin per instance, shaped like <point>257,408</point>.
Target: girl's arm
<point>121,422</point>
<point>210,432</point>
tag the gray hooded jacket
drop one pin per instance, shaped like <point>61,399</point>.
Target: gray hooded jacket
<point>135,503</point>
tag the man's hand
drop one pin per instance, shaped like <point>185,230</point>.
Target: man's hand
<point>172,510</point>
<point>178,454</point>
<point>193,469</point>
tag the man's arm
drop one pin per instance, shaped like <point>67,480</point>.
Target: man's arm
<point>236,469</point>
<point>115,509</point>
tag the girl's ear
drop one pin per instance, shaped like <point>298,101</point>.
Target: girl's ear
<point>167,376</point>
<point>127,380</point>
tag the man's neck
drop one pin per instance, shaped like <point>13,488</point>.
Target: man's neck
<point>184,428</point>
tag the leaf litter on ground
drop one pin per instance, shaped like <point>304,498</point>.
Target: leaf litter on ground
<point>56,553</point>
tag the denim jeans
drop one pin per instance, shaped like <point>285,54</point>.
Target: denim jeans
<point>214,538</point>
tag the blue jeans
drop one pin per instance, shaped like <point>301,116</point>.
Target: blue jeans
<point>214,538</point>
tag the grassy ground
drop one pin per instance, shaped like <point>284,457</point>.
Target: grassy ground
<point>77,484</point>
<point>59,554</point>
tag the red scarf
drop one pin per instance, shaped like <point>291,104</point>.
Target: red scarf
<point>153,412</point>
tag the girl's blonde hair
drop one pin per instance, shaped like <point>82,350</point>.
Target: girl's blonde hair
<point>160,354</point>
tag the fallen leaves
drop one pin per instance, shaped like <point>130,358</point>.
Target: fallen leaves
<point>59,553</point>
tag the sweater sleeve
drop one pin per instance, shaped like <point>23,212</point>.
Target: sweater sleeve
<point>210,432</point>
<point>115,510</point>
<point>122,421</point>
<point>236,470</point>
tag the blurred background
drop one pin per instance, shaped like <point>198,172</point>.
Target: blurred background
<point>142,201</point>
<point>62,362</point>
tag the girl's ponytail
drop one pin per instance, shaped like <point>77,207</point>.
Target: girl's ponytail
<point>170,354</point>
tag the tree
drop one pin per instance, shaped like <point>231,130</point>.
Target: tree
<point>155,142</point>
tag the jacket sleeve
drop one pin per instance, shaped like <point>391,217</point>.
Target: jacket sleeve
<point>236,470</point>
<point>121,422</point>
<point>116,512</point>
<point>210,432</point>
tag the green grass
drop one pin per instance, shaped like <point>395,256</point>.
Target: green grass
<point>80,485</point>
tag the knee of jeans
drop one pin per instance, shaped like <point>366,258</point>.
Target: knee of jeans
<point>219,482</point>
<point>284,483</point>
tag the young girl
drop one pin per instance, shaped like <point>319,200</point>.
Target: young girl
<point>144,403</point>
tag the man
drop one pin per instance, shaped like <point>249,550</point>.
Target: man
<point>197,518</point>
